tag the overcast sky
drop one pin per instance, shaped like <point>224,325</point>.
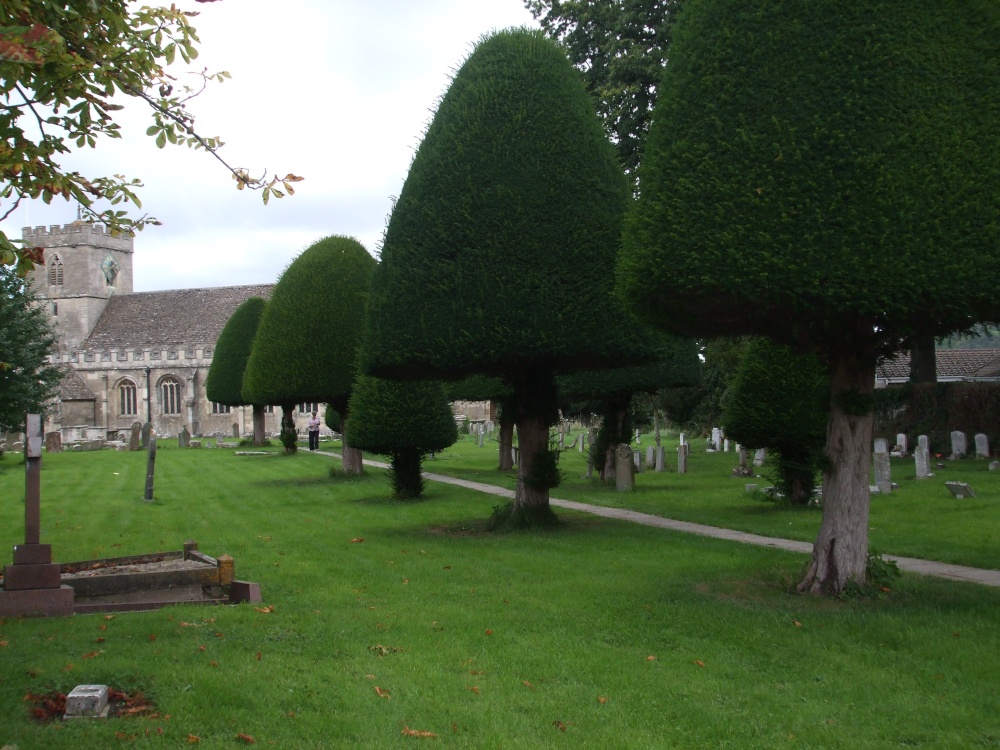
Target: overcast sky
<point>336,91</point>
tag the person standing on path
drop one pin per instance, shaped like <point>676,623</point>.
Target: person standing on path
<point>314,432</point>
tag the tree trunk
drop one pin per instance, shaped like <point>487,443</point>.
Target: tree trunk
<point>923,360</point>
<point>352,457</point>
<point>840,552</point>
<point>531,502</point>
<point>258,425</point>
<point>407,482</point>
<point>506,438</point>
<point>615,416</point>
<point>289,435</point>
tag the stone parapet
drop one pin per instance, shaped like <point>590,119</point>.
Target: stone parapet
<point>78,233</point>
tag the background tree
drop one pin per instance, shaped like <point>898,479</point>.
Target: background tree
<point>482,388</point>
<point>224,382</point>
<point>402,420</point>
<point>307,341</point>
<point>498,255</point>
<point>620,46</point>
<point>609,393</point>
<point>27,380</point>
<point>778,400</point>
<point>784,196</point>
<point>61,67</point>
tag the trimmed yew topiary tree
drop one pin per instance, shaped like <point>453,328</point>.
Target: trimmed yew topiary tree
<point>224,382</point>
<point>498,257</point>
<point>307,341</point>
<point>825,174</point>
<point>404,420</point>
<point>778,399</point>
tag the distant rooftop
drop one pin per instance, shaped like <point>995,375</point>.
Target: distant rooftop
<point>952,364</point>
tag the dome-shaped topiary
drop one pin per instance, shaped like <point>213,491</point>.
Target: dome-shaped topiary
<point>404,420</point>
<point>224,382</point>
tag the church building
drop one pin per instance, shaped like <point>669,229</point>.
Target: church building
<point>133,357</point>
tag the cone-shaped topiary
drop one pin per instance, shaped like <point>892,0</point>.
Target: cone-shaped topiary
<point>825,174</point>
<point>224,382</point>
<point>499,253</point>
<point>307,340</point>
<point>404,420</point>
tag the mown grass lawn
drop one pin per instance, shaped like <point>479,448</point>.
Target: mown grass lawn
<point>601,634</point>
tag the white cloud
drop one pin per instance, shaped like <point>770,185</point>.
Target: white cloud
<point>339,92</point>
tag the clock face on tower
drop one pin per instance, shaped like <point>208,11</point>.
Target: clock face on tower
<point>110,268</point>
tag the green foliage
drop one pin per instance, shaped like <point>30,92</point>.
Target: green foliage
<point>782,194</point>
<point>389,416</point>
<point>498,253</point>
<point>779,400</point>
<point>288,435</point>
<point>544,473</point>
<point>66,62</point>
<point>620,46</point>
<point>306,343</point>
<point>224,382</point>
<point>881,574</point>
<point>332,419</point>
<point>27,380</point>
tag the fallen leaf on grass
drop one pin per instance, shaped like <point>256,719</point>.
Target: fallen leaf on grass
<point>699,662</point>
<point>381,693</point>
<point>602,700</point>
<point>259,656</point>
<point>407,732</point>
<point>98,640</point>
<point>476,672</point>
<point>357,540</point>
<point>650,658</point>
<point>528,684</point>
<point>214,664</point>
<point>189,625</point>
<point>796,623</point>
<point>68,667</point>
<point>559,725</point>
<point>369,677</point>
<point>102,627</point>
<point>202,648</point>
<point>193,738</point>
<point>152,636</point>
<point>3,644</point>
<point>109,617</point>
<point>474,689</point>
<point>91,655</point>
<point>245,738</point>
<point>265,610</point>
<point>489,632</point>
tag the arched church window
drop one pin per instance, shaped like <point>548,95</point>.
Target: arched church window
<point>170,396</point>
<point>127,399</point>
<point>56,271</point>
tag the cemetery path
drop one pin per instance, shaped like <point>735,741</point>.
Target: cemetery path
<point>908,564</point>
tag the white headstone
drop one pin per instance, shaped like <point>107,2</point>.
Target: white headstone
<point>759,456</point>
<point>959,489</point>
<point>682,459</point>
<point>637,460</point>
<point>883,473</point>
<point>683,439</point>
<point>922,457</point>
<point>725,445</point>
<point>923,442</point>
<point>881,445</point>
<point>958,445</point>
<point>650,455</point>
<point>661,458</point>
<point>716,438</point>
<point>982,446</point>
<point>901,443</point>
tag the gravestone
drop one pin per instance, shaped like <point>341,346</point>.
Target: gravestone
<point>135,437</point>
<point>923,442</point>
<point>982,446</point>
<point>881,445</point>
<point>661,458</point>
<point>958,445</point>
<point>638,437</point>
<point>195,444</point>
<point>624,479</point>
<point>683,438</point>
<point>959,490</point>
<point>901,445</point>
<point>759,456</point>
<point>581,441</point>
<point>147,431</point>
<point>716,438</point>
<point>725,445</point>
<point>743,457</point>
<point>883,473</point>
<point>562,440</point>
<point>53,442</point>
<point>682,459</point>
<point>994,466</point>
<point>650,455</point>
<point>481,438</point>
<point>184,438</point>
<point>922,457</point>
<point>236,429</point>
<point>637,461</point>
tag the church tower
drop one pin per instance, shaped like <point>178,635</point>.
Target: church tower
<point>84,267</point>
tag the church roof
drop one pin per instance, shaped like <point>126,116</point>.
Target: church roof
<point>952,364</point>
<point>73,388</point>
<point>177,317</point>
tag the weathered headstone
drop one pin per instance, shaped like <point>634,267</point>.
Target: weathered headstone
<point>683,438</point>
<point>624,479</point>
<point>982,446</point>
<point>638,437</point>
<point>958,445</point>
<point>883,473</point>
<point>922,457</point>
<point>581,441</point>
<point>959,489</point>
<point>637,461</point>
<point>994,465</point>
<point>236,429</point>
<point>682,459</point>
<point>901,445</point>
<point>53,442</point>
<point>743,457</point>
<point>759,456</point>
<point>881,445</point>
<point>135,438</point>
<point>481,438</point>
<point>716,439</point>
<point>650,455</point>
<point>147,432</point>
<point>660,458</point>
<point>184,438</point>
<point>195,444</point>
<point>924,442</point>
<point>725,445</point>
